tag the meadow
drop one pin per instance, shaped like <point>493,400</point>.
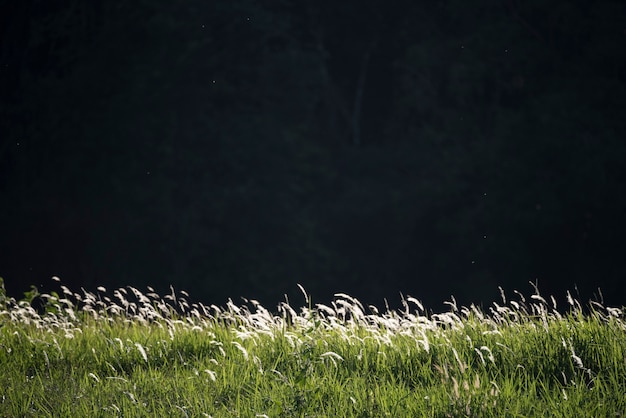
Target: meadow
<point>129,353</point>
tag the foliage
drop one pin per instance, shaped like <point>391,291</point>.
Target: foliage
<point>135,354</point>
<point>212,144</point>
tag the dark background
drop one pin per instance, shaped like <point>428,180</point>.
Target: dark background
<point>236,147</point>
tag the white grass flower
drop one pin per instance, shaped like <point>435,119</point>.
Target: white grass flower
<point>211,373</point>
<point>257,362</point>
<point>577,360</point>
<point>490,354</point>
<point>452,304</point>
<point>307,300</point>
<point>332,354</point>
<point>495,389</point>
<point>539,298</point>
<point>117,378</point>
<point>480,355</point>
<point>131,397</point>
<point>455,388</point>
<point>242,349</point>
<point>182,409</point>
<point>326,309</point>
<point>142,351</point>
<point>424,341</point>
<point>616,312</point>
<point>120,342</point>
<point>419,304</point>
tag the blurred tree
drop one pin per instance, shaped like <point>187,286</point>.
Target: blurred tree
<point>236,148</point>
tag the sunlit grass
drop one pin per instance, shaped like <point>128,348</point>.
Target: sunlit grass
<point>131,353</point>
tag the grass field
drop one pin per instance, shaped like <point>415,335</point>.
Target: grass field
<point>135,354</point>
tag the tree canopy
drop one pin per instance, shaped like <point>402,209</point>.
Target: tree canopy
<point>237,148</point>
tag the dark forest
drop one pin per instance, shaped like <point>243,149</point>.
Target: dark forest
<point>236,148</point>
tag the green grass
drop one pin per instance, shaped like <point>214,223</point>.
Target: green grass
<point>132,354</point>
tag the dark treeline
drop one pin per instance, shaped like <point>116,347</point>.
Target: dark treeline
<point>236,148</point>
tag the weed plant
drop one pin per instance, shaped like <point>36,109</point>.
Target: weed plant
<point>135,354</point>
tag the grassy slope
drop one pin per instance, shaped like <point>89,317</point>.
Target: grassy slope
<point>143,355</point>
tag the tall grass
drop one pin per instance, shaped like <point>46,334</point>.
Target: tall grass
<point>131,354</point>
